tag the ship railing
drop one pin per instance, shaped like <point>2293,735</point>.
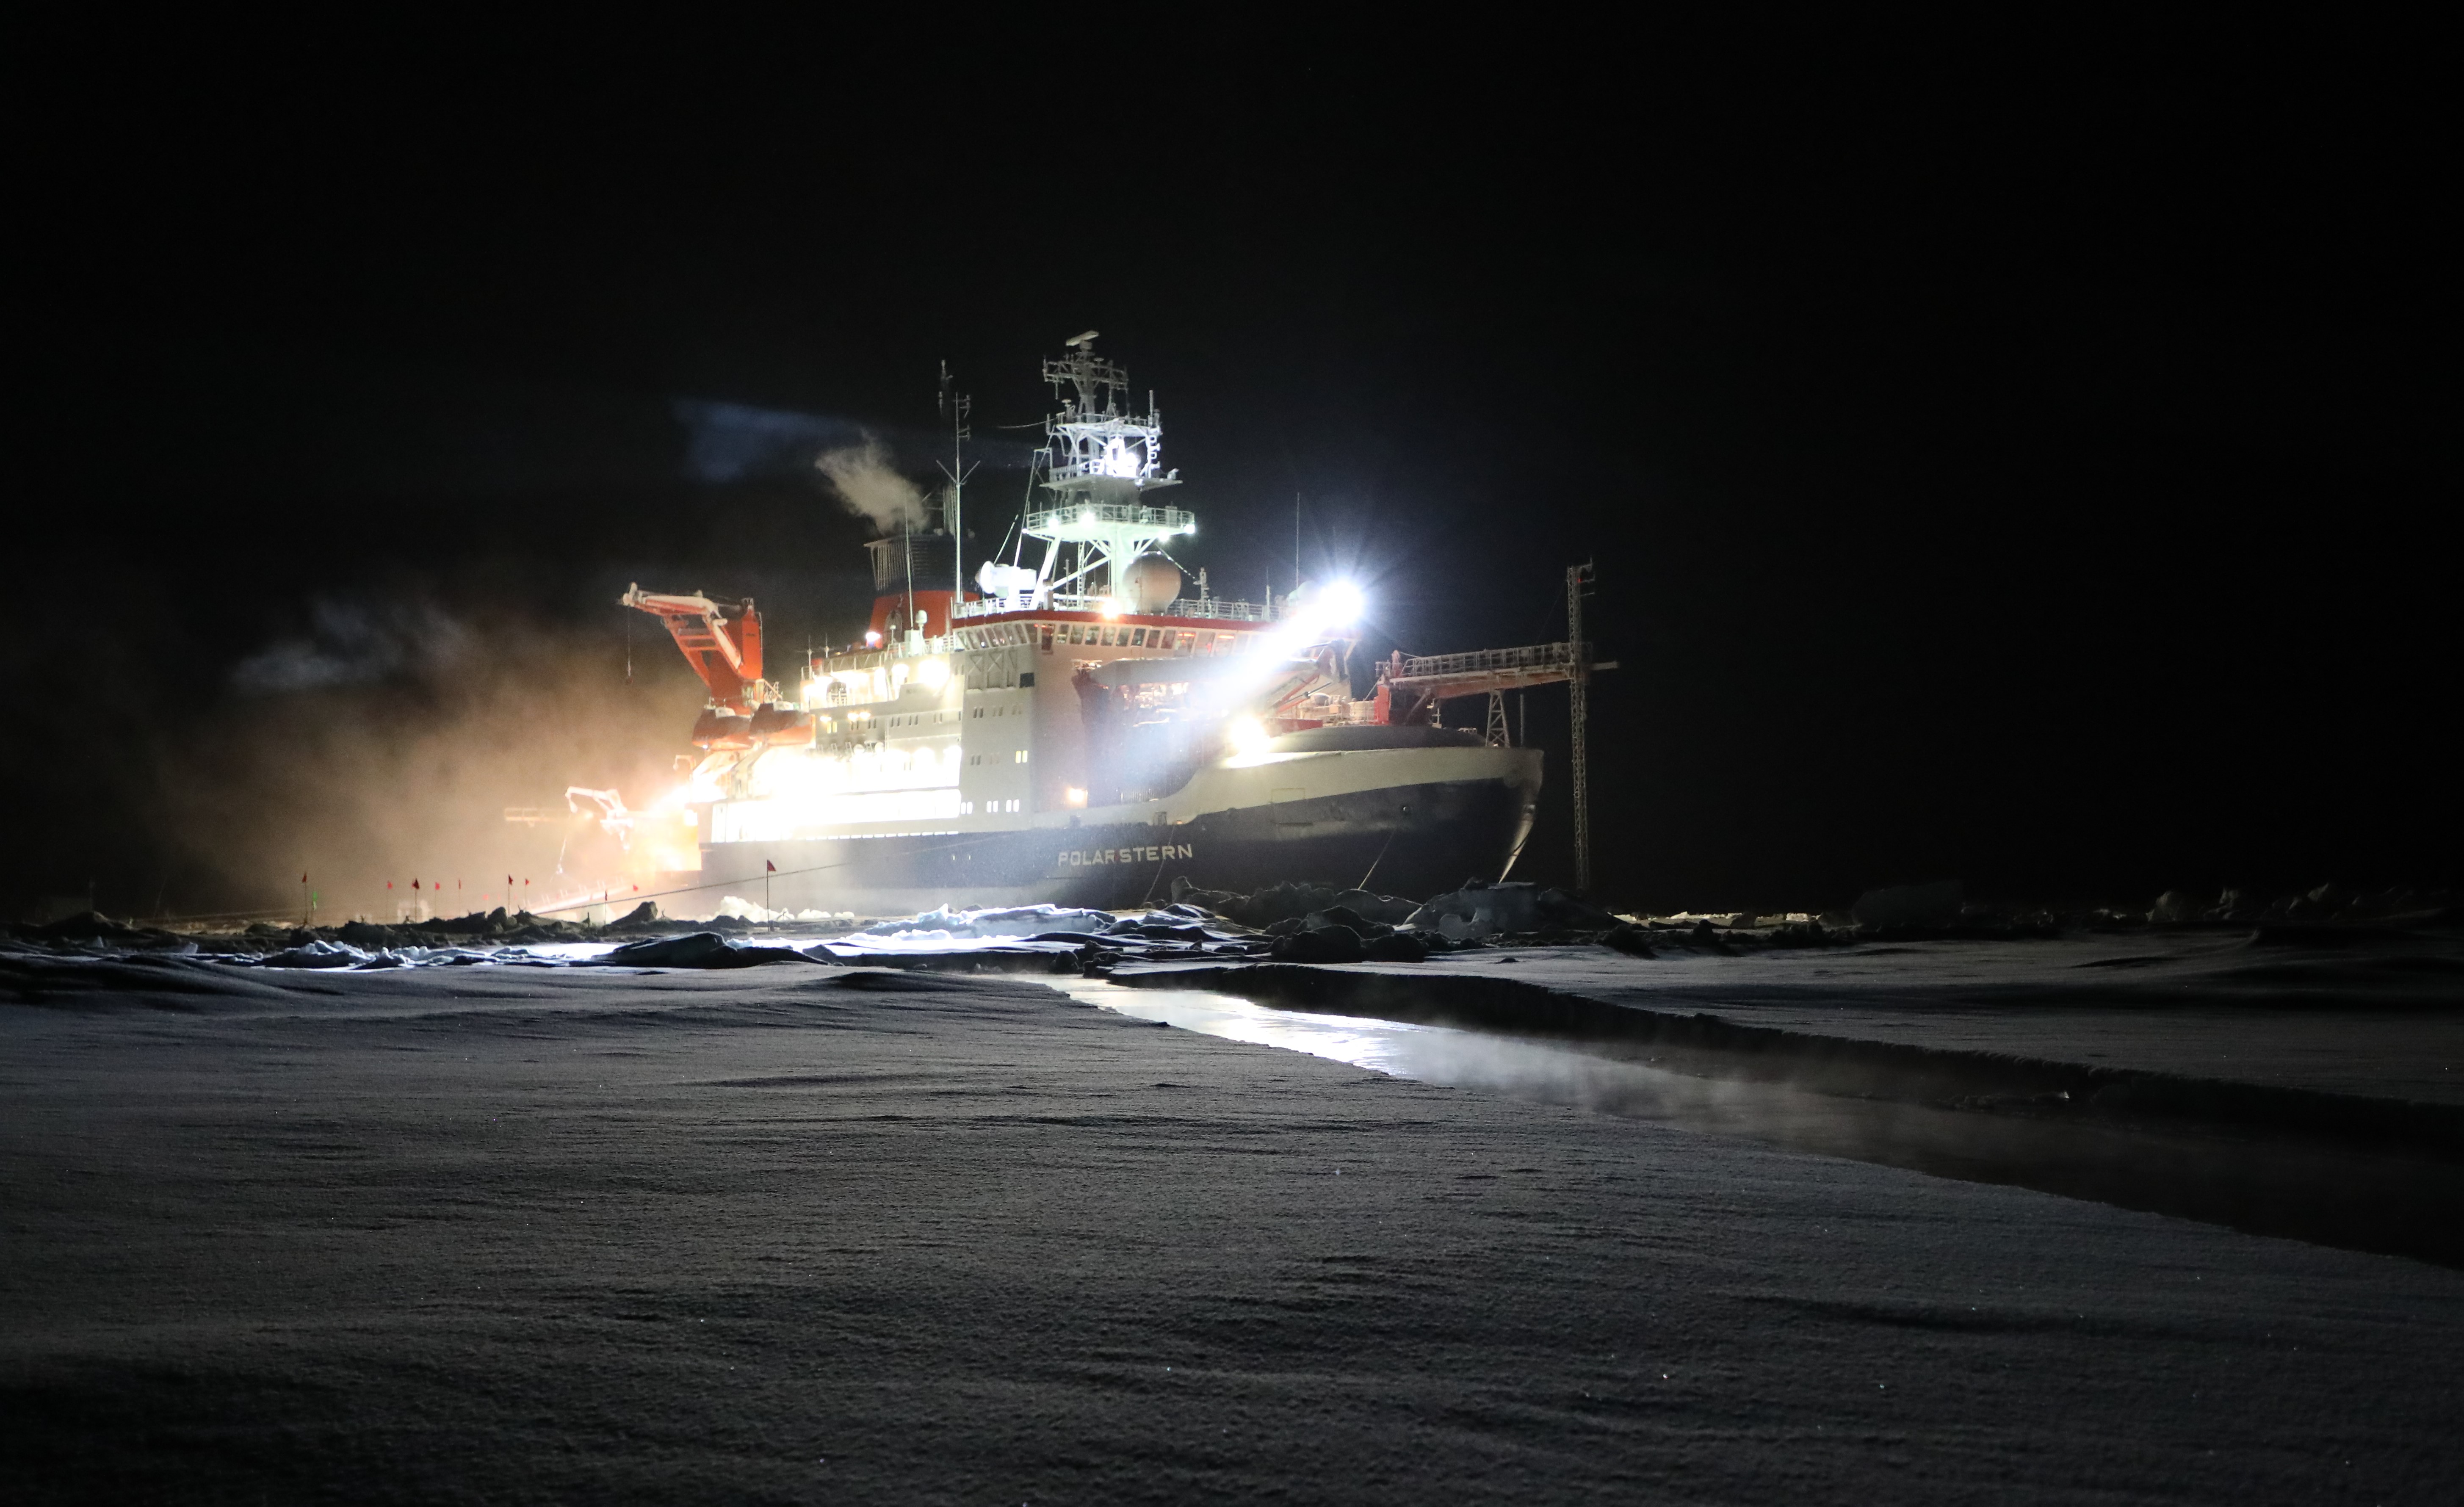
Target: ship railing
<point>1220,608</point>
<point>1216,608</point>
<point>1090,369</point>
<point>1093,469</point>
<point>1127,515</point>
<point>1108,424</point>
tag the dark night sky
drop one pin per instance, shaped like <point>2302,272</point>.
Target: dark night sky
<point>2009,457</point>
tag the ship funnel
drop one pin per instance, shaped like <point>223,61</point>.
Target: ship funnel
<point>910,574</point>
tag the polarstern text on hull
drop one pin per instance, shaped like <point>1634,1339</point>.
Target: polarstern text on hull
<point>1082,722</point>
<point>1150,853</point>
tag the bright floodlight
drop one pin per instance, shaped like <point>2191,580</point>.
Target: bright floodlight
<point>1249,737</point>
<point>1342,603</point>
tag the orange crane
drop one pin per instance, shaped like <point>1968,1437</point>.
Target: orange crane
<point>721,640</point>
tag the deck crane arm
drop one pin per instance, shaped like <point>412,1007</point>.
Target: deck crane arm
<point>721,640</point>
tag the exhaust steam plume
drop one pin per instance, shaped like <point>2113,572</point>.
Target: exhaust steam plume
<point>864,480</point>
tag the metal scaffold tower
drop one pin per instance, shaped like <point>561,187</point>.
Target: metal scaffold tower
<point>1578,685</point>
<point>1409,686</point>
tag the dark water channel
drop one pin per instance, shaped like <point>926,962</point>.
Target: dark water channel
<point>2367,1196</point>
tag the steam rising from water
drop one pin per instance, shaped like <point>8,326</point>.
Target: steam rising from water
<point>2364,1196</point>
<point>1463,1059</point>
<point>862,477</point>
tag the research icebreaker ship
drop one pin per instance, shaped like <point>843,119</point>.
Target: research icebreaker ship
<point>1081,726</point>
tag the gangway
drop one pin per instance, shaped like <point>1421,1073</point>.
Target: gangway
<point>1412,686</point>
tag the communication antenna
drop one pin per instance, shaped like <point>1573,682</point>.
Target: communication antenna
<point>956,406</point>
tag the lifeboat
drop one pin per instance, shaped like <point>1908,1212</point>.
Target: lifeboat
<point>722,730</point>
<point>783,727</point>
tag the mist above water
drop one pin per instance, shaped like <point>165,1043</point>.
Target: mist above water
<point>2370,1198</point>
<point>1535,1070</point>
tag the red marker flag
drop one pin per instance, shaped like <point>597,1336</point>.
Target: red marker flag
<point>769,867</point>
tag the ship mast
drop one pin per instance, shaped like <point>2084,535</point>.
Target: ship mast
<point>1099,461</point>
<point>955,405</point>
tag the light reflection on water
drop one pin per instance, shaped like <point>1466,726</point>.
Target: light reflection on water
<point>2389,1199</point>
<point>1524,1069</point>
<point>1386,1046</point>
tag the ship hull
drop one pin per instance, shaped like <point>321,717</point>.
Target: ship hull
<point>1416,839</point>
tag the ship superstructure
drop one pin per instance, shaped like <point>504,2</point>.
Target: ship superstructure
<point>1088,724</point>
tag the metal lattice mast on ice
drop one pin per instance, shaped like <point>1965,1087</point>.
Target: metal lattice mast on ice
<point>1578,708</point>
<point>1413,686</point>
